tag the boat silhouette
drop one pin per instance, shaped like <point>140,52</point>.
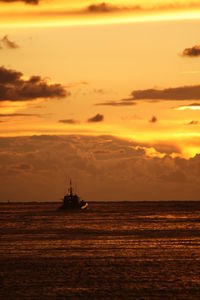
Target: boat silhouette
<point>72,201</point>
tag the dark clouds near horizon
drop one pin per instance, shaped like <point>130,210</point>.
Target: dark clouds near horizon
<point>14,88</point>
<point>38,169</point>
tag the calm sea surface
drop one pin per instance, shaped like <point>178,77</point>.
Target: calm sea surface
<point>139,250</point>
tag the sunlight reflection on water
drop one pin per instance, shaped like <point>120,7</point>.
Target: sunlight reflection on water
<point>116,249</point>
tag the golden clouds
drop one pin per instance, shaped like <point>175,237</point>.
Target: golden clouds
<point>38,162</point>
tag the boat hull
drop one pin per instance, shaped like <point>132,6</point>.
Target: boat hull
<point>70,207</point>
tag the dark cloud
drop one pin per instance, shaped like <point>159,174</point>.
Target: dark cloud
<point>109,8</point>
<point>97,118</point>
<point>14,88</point>
<point>33,2</point>
<point>153,119</point>
<point>192,52</point>
<point>5,42</point>
<point>68,121</point>
<point>117,103</point>
<point>18,115</point>
<point>102,8</point>
<point>105,8</point>
<point>193,123</point>
<point>177,93</point>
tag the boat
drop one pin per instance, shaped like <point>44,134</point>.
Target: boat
<point>72,201</point>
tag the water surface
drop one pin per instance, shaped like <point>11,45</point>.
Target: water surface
<point>126,250</point>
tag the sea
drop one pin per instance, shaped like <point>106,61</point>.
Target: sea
<point>113,250</point>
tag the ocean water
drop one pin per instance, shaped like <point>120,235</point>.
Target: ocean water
<point>126,250</point>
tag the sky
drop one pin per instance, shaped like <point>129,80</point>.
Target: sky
<point>105,93</point>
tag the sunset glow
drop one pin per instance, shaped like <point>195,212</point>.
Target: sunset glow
<point>90,71</point>
<point>99,149</point>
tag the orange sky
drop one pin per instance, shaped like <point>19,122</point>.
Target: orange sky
<point>62,13</point>
<point>126,69</point>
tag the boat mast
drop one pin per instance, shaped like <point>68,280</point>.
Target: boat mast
<point>71,189</point>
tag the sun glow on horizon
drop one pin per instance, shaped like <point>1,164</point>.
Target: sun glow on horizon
<point>188,107</point>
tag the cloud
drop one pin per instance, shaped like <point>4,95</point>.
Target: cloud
<point>102,8</point>
<point>38,167</point>
<point>166,148</point>
<point>193,106</point>
<point>14,115</point>
<point>116,103</point>
<point>193,123</point>
<point>68,121</point>
<point>192,52</point>
<point>153,119</point>
<point>97,118</point>
<point>109,8</point>
<point>177,93</point>
<point>33,2</point>
<point>14,88</point>
<point>105,8</point>
<point>5,42</point>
